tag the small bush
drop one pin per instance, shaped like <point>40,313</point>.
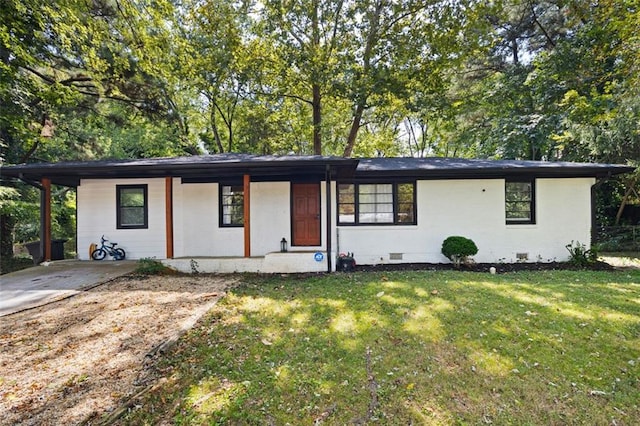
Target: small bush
<point>579,255</point>
<point>148,266</point>
<point>458,249</point>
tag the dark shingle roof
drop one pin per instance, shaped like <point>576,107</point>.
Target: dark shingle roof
<point>438,168</point>
<point>231,166</point>
<point>194,168</point>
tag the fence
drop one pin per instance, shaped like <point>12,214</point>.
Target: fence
<point>617,238</point>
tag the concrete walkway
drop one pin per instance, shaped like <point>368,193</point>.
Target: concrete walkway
<point>42,284</point>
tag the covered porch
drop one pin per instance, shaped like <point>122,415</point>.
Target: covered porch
<point>276,262</point>
<point>174,232</point>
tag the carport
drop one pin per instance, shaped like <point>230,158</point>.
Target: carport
<point>49,282</point>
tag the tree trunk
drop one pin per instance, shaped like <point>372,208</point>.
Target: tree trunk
<point>316,104</point>
<point>317,120</point>
<point>361,98</point>
<point>353,133</point>
<point>627,194</point>
<point>216,134</point>
<point>6,235</point>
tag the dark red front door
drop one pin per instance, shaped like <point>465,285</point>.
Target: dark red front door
<point>305,214</point>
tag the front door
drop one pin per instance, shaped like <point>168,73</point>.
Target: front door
<point>305,214</point>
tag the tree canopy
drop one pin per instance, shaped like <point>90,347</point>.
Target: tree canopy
<point>513,79</point>
<point>510,79</point>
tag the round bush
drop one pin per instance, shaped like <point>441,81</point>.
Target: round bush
<point>457,248</point>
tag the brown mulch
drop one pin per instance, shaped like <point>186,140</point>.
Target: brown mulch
<point>484,267</point>
<point>79,359</point>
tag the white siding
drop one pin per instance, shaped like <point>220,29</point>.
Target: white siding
<point>196,221</point>
<point>197,232</point>
<point>270,216</point>
<point>97,216</point>
<point>471,208</point>
<point>475,209</point>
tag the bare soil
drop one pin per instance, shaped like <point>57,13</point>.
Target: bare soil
<point>79,359</point>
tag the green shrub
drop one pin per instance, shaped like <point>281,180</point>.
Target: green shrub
<point>579,255</point>
<point>458,249</point>
<point>148,266</point>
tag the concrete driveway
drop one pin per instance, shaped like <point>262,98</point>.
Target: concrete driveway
<point>42,284</point>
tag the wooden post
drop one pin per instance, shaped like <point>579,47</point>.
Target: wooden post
<point>46,224</point>
<point>168,200</point>
<point>247,216</point>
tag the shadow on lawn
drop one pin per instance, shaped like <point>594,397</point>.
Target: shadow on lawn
<point>412,347</point>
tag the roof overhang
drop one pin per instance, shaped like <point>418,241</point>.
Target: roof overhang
<point>230,167</point>
<point>457,168</point>
<point>205,168</point>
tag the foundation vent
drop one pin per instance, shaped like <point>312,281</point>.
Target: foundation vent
<point>522,256</point>
<point>395,256</point>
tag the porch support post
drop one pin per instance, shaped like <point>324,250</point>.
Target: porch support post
<point>45,240</point>
<point>328,203</point>
<point>247,218</point>
<point>169,215</point>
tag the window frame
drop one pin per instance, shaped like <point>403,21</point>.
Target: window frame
<point>531,220</point>
<point>145,206</point>
<point>395,203</point>
<point>221,205</point>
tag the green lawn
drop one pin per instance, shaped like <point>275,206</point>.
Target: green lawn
<point>411,348</point>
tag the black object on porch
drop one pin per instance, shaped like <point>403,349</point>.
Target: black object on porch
<point>57,250</point>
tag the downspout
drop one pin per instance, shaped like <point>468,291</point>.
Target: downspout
<point>594,229</point>
<point>328,195</point>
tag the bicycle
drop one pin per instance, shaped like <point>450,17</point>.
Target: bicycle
<point>111,250</point>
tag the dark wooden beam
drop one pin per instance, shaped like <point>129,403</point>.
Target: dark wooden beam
<point>46,224</point>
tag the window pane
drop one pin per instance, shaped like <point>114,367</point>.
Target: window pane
<point>405,193</point>
<point>405,213</point>
<point>518,201</point>
<point>345,188</point>
<point>405,209</point>
<point>376,208</point>
<point>346,203</point>
<point>132,216</point>
<point>346,218</point>
<point>131,197</point>
<point>346,198</point>
<point>375,217</point>
<point>233,205</point>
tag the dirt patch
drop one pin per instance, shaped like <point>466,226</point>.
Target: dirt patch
<point>75,360</point>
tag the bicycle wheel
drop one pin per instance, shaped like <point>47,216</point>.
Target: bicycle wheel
<point>99,254</point>
<point>119,254</point>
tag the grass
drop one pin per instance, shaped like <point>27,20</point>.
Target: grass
<point>559,347</point>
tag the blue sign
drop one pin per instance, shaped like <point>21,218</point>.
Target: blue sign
<point>318,256</point>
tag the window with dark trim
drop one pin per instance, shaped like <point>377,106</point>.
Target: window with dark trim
<point>132,207</point>
<point>520,201</point>
<point>231,205</point>
<point>392,203</point>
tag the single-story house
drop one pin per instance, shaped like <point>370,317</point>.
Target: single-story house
<point>240,212</point>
